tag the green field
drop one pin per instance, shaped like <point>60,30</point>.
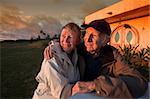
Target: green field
<point>20,61</point>
<point>19,64</point>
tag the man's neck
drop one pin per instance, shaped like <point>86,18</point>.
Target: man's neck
<point>97,53</point>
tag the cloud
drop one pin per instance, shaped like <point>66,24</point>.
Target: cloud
<point>11,16</point>
<point>48,24</point>
<point>56,1</point>
<point>15,25</point>
<point>93,5</point>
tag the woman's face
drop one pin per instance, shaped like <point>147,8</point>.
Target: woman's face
<point>68,40</point>
<point>93,40</point>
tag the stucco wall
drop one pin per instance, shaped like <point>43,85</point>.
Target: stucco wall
<point>142,25</point>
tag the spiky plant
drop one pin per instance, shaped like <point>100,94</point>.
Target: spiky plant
<point>137,59</point>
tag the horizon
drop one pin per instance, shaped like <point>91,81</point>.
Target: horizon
<point>25,19</point>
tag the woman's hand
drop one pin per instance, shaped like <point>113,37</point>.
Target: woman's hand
<point>47,52</point>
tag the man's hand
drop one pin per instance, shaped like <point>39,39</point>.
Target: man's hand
<point>83,87</point>
<point>47,52</point>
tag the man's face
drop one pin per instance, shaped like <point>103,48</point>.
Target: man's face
<point>93,40</point>
<point>68,40</point>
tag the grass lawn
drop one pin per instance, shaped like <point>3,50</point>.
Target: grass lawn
<point>19,64</point>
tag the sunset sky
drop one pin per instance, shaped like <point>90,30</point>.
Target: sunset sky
<point>21,13</point>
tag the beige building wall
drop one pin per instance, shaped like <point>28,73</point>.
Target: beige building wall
<point>116,9</point>
<point>135,13</point>
<point>142,25</point>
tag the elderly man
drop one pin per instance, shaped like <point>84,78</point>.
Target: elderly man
<point>105,72</point>
<point>60,73</point>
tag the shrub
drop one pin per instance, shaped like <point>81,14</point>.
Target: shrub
<point>137,59</point>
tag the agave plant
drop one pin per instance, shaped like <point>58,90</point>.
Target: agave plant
<point>144,56</point>
<point>137,59</point>
<point>129,53</point>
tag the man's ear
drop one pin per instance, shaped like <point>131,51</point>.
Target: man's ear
<point>106,39</point>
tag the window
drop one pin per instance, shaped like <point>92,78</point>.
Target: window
<point>123,35</point>
<point>117,37</point>
<point>129,37</point>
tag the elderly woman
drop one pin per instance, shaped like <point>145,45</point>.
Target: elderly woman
<point>60,73</point>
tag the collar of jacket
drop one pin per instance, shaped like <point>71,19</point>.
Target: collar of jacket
<point>57,50</point>
<point>109,63</point>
